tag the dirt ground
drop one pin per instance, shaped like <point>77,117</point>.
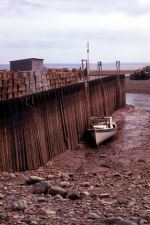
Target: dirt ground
<point>112,180</point>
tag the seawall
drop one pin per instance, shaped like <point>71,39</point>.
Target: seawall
<point>39,126</point>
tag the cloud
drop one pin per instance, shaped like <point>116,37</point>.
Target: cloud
<point>62,27</point>
<point>36,7</point>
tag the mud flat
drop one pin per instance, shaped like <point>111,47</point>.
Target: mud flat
<point>138,86</point>
<point>110,181</point>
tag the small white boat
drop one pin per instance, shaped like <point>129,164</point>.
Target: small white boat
<point>101,128</point>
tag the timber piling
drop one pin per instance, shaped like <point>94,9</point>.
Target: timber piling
<point>39,126</point>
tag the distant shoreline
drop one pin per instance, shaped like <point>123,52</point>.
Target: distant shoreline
<point>93,66</point>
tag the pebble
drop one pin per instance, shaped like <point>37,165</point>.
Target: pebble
<point>93,215</point>
<point>86,184</point>
<point>42,199</point>
<point>116,175</point>
<point>118,221</point>
<point>20,205</point>
<point>34,223</point>
<point>73,196</point>
<point>2,196</point>
<point>64,176</point>
<point>104,195</point>
<point>34,179</point>
<point>84,194</point>
<point>30,210</point>
<point>65,184</point>
<point>47,213</point>
<point>50,177</point>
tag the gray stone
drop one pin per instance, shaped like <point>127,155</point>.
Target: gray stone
<point>34,179</point>
<point>47,213</point>
<point>73,196</point>
<point>42,199</point>
<point>3,216</point>
<point>54,190</point>
<point>34,223</point>
<point>64,176</point>
<point>12,175</point>
<point>65,184</point>
<point>104,195</point>
<point>119,221</point>
<point>93,215</point>
<point>41,187</point>
<point>116,175</point>
<point>86,184</point>
<point>50,177</point>
<point>2,196</point>
<point>84,194</point>
<point>20,205</point>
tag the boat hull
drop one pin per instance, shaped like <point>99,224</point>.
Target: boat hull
<point>100,136</point>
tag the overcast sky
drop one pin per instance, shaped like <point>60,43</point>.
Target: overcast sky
<point>58,30</point>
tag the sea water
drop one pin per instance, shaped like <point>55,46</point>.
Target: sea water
<point>140,101</point>
<point>106,66</point>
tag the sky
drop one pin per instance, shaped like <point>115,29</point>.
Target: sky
<point>58,30</point>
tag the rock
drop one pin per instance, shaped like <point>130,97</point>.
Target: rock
<point>22,223</point>
<point>93,196</point>
<point>2,196</point>
<point>74,196</point>
<point>85,184</point>
<point>64,176</point>
<point>3,216</point>
<point>103,155</point>
<point>54,190</point>
<point>84,194</point>
<point>34,223</point>
<point>50,177</point>
<point>146,199</point>
<point>141,74</point>
<point>5,174</point>
<point>30,211</point>
<point>47,213</point>
<point>12,175</point>
<point>119,221</point>
<point>116,175</point>
<point>104,195</point>
<point>34,179</point>
<point>20,205</point>
<point>97,185</point>
<point>42,199</point>
<point>58,197</point>
<point>65,184</point>
<point>93,216</point>
<point>41,187</point>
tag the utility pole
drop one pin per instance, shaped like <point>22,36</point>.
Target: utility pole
<point>99,66</point>
<point>88,63</point>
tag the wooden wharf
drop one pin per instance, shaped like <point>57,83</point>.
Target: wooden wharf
<point>38,126</point>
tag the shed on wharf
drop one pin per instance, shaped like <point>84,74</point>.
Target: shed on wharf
<point>30,64</point>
